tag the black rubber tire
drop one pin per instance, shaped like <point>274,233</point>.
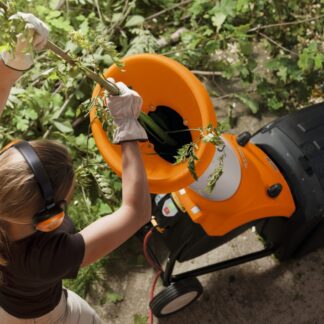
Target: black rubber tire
<point>168,301</point>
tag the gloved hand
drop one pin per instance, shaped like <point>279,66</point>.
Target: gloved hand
<point>125,110</point>
<point>20,59</point>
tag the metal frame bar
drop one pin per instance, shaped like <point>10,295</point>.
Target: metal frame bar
<point>168,278</point>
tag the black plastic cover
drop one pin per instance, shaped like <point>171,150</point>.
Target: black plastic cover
<point>295,143</point>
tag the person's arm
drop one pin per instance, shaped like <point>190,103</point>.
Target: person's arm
<point>109,232</point>
<point>7,79</point>
<point>13,64</point>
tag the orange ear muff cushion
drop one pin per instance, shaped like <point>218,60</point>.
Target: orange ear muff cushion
<point>50,224</point>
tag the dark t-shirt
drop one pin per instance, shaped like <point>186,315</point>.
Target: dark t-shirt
<point>32,281</point>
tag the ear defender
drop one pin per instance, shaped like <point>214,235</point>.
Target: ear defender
<point>50,218</point>
<point>52,215</point>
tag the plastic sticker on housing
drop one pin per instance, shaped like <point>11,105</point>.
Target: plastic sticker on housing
<point>157,198</point>
<point>169,208</point>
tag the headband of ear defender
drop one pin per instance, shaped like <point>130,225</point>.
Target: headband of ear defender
<point>52,215</point>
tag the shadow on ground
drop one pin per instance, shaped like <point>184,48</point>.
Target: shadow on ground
<point>262,291</point>
<point>286,293</point>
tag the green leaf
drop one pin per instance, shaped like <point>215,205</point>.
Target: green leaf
<point>218,20</point>
<point>116,17</point>
<point>113,297</point>
<point>282,73</point>
<point>274,103</point>
<point>22,124</point>
<point>54,3</point>
<point>242,5</point>
<point>134,21</point>
<point>81,140</point>
<point>105,209</point>
<point>216,174</point>
<point>31,114</point>
<point>319,61</point>
<point>62,127</point>
<point>251,103</point>
<point>221,11</point>
<point>307,58</point>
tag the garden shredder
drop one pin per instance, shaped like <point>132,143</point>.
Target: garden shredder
<point>273,179</point>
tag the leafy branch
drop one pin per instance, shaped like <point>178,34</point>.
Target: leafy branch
<point>186,153</point>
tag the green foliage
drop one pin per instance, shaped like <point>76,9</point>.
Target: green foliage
<point>216,174</point>
<point>187,153</point>
<point>241,38</point>
<point>112,297</point>
<point>250,103</point>
<point>87,277</point>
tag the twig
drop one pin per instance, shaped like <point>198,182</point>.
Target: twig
<point>59,88</point>
<point>64,106</point>
<point>124,14</point>
<point>168,9</point>
<point>277,44</point>
<point>174,38</point>
<point>39,76</point>
<point>59,4</point>
<point>297,22</point>
<point>231,95</point>
<point>67,6</point>
<point>180,50</point>
<point>93,76</point>
<point>99,10</point>
<point>206,72</point>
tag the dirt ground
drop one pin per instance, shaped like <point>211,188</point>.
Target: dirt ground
<point>262,291</point>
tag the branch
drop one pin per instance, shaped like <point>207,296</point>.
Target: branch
<point>125,12</point>
<point>181,50</point>
<point>99,10</point>
<point>168,9</point>
<point>111,88</point>
<point>174,38</point>
<point>297,22</point>
<point>3,6</point>
<point>59,4</point>
<point>207,72</point>
<point>231,95</point>
<point>277,44</point>
<point>64,106</point>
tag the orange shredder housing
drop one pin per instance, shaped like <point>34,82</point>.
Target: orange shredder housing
<point>164,82</point>
<point>250,201</point>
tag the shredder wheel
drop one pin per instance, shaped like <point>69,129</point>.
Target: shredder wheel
<point>176,297</point>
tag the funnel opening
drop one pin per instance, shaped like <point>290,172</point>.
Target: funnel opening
<point>170,121</point>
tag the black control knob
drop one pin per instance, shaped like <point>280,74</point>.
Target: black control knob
<point>274,190</point>
<point>243,138</point>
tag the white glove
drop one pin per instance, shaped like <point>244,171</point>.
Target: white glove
<point>22,60</point>
<point>125,110</point>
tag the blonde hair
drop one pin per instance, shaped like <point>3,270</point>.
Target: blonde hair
<point>20,195</point>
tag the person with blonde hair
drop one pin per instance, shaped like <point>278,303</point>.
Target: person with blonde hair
<point>38,243</point>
